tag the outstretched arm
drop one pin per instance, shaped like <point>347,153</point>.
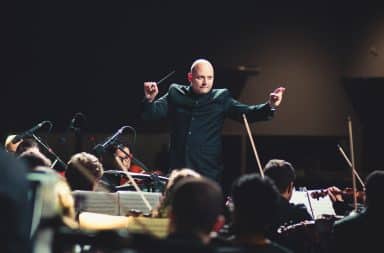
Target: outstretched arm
<point>256,112</point>
<point>151,108</point>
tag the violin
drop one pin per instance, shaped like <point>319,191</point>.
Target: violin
<point>346,194</point>
<point>311,232</point>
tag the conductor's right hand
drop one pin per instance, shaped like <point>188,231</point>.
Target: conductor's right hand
<point>150,91</point>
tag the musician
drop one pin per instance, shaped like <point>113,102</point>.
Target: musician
<point>15,209</point>
<point>360,232</point>
<point>196,209</point>
<point>27,144</point>
<point>256,201</point>
<point>84,171</point>
<point>197,114</point>
<point>162,210</point>
<point>33,158</point>
<point>123,161</point>
<point>283,175</point>
<point>341,206</point>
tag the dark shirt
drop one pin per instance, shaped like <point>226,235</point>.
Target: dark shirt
<point>233,246</point>
<point>185,242</point>
<point>289,214</point>
<point>196,123</point>
<point>359,232</point>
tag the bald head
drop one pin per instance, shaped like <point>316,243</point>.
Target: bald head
<point>199,63</point>
<point>201,76</point>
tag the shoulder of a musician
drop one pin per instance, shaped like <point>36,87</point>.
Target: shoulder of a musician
<point>220,93</point>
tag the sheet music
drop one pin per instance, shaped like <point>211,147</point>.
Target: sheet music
<point>316,207</point>
<point>97,202</point>
<point>321,206</point>
<point>132,200</point>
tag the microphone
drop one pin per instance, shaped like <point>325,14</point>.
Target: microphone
<point>71,126</point>
<point>30,132</point>
<point>73,121</point>
<point>100,148</point>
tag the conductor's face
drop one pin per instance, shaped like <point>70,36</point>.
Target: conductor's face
<point>201,78</point>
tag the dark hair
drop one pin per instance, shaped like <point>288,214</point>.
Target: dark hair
<point>25,145</point>
<point>281,172</point>
<point>34,159</point>
<point>375,190</point>
<point>108,158</point>
<point>196,204</point>
<point>255,200</point>
<point>83,171</point>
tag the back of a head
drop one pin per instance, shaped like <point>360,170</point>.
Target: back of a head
<point>196,204</point>
<point>255,200</point>
<point>34,158</point>
<point>375,190</point>
<point>178,174</point>
<point>281,172</point>
<point>175,176</point>
<point>83,171</point>
<point>25,145</point>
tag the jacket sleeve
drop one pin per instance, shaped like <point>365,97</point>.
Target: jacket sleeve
<point>257,112</point>
<point>157,109</point>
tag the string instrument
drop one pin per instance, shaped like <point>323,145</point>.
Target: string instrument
<point>347,194</point>
<point>146,182</point>
<point>309,232</point>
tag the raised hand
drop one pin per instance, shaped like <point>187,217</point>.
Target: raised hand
<point>276,96</point>
<point>150,90</point>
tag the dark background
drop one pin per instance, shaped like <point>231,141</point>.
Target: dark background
<point>59,58</point>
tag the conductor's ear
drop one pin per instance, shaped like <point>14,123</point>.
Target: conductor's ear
<point>189,76</point>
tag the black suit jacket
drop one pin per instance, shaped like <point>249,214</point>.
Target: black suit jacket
<point>196,125</point>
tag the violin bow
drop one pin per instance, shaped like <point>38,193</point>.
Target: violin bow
<point>353,163</point>
<point>253,145</point>
<point>131,180</point>
<point>350,165</point>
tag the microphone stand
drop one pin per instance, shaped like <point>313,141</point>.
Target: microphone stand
<point>50,151</point>
<point>78,138</point>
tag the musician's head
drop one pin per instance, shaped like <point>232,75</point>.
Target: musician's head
<point>33,158</point>
<point>375,190</point>
<point>255,202</point>
<point>283,175</point>
<point>27,144</point>
<point>83,171</point>
<point>176,175</point>
<point>196,207</point>
<point>123,158</point>
<point>201,76</point>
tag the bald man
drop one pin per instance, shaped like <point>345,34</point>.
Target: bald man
<point>197,114</point>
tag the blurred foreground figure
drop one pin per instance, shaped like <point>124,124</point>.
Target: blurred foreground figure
<point>15,208</point>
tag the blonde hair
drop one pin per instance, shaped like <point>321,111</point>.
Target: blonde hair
<point>8,142</point>
<point>176,175</point>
